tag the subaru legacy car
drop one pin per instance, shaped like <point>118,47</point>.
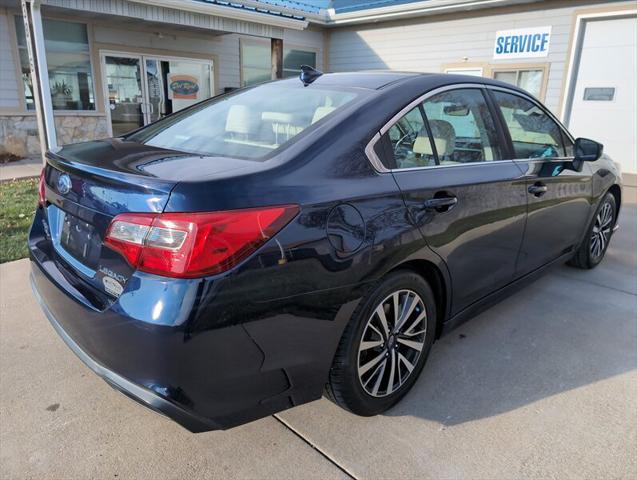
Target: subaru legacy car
<point>298,238</point>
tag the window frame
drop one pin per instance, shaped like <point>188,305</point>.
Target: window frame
<point>519,67</point>
<point>564,133</point>
<point>377,163</point>
<point>96,111</point>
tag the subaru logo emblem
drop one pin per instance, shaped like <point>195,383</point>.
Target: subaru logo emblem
<point>64,184</point>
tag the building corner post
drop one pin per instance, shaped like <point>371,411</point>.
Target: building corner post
<point>34,33</point>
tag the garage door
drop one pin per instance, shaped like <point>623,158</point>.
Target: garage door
<point>604,104</point>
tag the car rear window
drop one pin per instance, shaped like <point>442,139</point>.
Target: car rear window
<point>249,124</point>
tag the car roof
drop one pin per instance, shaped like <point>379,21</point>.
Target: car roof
<point>390,79</point>
<point>371,80</point>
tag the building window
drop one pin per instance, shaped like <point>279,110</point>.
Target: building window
<point>68,62</point>
<point>599,94</point>
<point>256,61</point>
<point>293,59</point>
<point>529,79</point>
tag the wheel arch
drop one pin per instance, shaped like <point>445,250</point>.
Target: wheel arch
<point>434,276</point>
<point>616,191</point>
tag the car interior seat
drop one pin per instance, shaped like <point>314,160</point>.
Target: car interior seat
<point>240,123</point>
<point>444,137</point>
<point>321,112</point>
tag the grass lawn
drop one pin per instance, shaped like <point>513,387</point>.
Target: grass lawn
<point>18,201</point>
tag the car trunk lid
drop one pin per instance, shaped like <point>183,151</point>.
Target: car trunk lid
<point>85,189</point>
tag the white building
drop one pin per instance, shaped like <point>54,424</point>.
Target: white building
<point>114,65</point>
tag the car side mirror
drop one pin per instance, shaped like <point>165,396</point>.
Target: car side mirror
<point>587,150</point>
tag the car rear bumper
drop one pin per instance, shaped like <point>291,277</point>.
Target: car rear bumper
<point>144,396</point>
<point>209,353</point>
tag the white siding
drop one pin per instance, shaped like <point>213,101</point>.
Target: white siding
<point>9,87</point>
<point>429,43</point>
<point>173,16</point>
<point>178,43</point>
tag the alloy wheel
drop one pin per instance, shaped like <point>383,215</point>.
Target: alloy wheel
<point>392,342</point>
<point>602,230</point>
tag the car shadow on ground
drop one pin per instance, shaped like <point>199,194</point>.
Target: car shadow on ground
<point>568,329</point>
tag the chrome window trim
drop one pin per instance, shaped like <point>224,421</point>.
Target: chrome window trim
<point>378,166</point>
<point>372,157</point>
<point>450,165</point>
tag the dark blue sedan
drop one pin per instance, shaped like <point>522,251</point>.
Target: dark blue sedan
<point>299,238</point>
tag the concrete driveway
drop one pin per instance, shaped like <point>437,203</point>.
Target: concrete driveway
<point>544,385</point>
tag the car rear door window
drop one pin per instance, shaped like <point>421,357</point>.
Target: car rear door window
<point>409,141</point>
<point>462,127</point>
<point>533,132</point>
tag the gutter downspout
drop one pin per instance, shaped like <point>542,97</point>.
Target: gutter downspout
<point>34,34</point>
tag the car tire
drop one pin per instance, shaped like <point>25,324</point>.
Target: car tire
<point>402,347</point>
<point>592,249</point>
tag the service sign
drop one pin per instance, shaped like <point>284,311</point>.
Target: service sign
<point>522,43</point>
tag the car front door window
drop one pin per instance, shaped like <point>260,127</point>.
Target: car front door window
<point>533,132</point>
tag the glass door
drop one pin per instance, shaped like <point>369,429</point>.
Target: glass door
<point>142,89</point>
<point>174,84</point>
<point>155,86</point>
<point>124,93</point>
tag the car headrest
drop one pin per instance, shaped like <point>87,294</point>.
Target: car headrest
<point>276,117</point>
<point>240,120</point>
<point>444,137</point>
<point>321,112</point>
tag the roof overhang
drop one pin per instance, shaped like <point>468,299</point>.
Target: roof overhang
<point>281,16</point>
<point>229,12</point>
<point>332,18</point>
<point>414,9</point>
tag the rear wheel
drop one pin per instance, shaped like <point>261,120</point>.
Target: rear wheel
<point>385,345</point>
<point>594,246</point>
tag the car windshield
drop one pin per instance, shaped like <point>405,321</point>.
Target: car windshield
<point>250,124</point>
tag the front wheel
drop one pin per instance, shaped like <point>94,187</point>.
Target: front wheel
<point>384,346</point>
<point>598,236</point>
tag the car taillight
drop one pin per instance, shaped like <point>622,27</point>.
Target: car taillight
<point>188,245</point>
<point>42,190</point>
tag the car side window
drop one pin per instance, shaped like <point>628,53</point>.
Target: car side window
<point>462,127</point>
<point>409,141</point>
<point>533,132</point>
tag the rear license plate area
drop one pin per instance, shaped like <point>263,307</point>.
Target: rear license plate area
<point>80,240</point>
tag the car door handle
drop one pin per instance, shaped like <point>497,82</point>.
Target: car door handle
<point>442,204</point>
<point>538,189</point>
